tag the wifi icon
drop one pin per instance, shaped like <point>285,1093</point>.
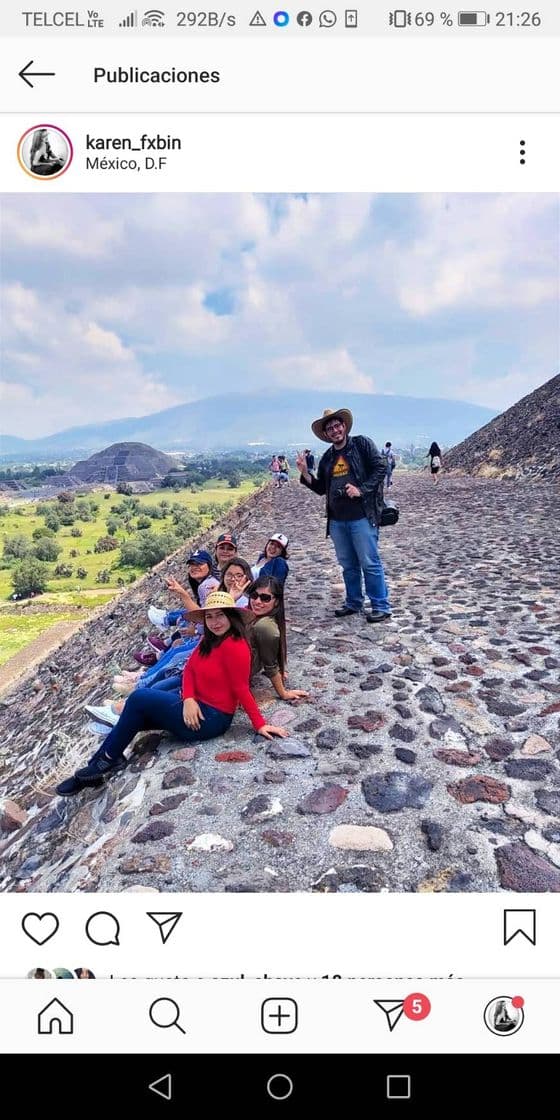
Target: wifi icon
<point>153,18</point>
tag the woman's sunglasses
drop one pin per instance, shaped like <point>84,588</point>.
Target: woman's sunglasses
<point>262,595</point>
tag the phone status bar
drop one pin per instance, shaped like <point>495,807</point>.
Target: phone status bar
<point>247,19</point>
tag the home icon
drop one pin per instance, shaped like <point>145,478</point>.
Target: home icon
<point>55,1018</point>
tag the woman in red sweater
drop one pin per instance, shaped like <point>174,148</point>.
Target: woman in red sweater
<point>215,682</point>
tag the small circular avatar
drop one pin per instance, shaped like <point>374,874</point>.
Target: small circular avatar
<point>45,151</point>
<point>504,1015</point>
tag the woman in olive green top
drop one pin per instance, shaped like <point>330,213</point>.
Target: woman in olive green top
<point>267,635</point>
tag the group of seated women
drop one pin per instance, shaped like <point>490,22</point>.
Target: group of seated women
<point>230,626</point>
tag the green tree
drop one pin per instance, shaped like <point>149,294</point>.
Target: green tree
<point>113,525</point>
<point>66,497</point>
<point>81,573</point>
<point>124,488</point>
<point>30,577</point>
<point>84,511</point>
<point>104,576</point>
<point>47,549</point>
<point>105,544</point>
<point>147,550</point>
<point>41,532</point>
<point>143,522</point>
<point>63,570</point>
<point>52,520</point>
<point>16,547</point>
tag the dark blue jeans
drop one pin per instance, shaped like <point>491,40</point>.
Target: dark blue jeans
<point>355,544</point>
<point>150,709</point>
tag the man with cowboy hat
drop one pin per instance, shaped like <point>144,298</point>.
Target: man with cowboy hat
<point>351,475</point>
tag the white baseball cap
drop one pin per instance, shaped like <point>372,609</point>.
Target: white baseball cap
<point>283,540</point>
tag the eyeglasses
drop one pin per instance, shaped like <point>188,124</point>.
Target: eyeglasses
<point>332,427</point>
<point>262,595</point>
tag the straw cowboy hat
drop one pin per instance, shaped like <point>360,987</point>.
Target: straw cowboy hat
<point>216,601</point>
<point>331,414</point>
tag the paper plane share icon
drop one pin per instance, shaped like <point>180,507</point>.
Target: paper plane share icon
<point>166,923</point>
<point>392,1009</point>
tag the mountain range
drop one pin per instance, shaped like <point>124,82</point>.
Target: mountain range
<point>274,418</point>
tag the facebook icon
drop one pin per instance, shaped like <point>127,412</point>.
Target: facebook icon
<point>305,19</point>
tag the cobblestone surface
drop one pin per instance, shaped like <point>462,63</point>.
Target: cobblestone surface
<point>441,726</point>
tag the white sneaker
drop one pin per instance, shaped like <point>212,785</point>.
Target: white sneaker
<point>101,729</point>
<point>103,713</point>
<point>157,617</point>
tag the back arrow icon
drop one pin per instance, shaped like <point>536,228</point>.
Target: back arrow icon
<point>26,74</point>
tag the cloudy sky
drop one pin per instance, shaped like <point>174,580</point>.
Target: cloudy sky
<point>121,305</point>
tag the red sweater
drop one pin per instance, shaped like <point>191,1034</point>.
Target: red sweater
<point>222,679</point>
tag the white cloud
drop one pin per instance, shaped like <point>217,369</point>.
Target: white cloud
<point>71,370</point>
<point>109,298</point>
<point>331,370</point>
<point>477,251</point>
<point>60,225</point>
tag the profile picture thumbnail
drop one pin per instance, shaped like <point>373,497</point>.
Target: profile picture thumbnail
<point>45,151</point>
<point>39,974</point>
<point>504,1015</point>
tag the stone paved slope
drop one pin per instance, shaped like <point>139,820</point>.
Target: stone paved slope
<point>523,442</point>
<point>428,750</point>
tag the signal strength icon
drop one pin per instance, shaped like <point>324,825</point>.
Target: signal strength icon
<point>153,18</point>
<point>130,21</point>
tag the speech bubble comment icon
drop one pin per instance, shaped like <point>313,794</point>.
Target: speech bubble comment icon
<point>103,928</point>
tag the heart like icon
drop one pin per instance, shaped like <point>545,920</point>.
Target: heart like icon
<point>40,927</point>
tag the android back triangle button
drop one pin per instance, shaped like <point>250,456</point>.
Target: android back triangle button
<point>166,923</point>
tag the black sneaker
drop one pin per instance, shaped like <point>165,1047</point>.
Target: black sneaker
<point>342,612</point>
<point>378,616</point>
<point>100,766</point>
<point>71,786</point>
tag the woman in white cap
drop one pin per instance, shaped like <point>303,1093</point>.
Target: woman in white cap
<point>216,680</point>
<point>272,560</point>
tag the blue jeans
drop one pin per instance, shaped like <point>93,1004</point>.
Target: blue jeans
<point>175,654</point>
<point>355,545</point>
<point>389,476</point>
<point>152,709</point>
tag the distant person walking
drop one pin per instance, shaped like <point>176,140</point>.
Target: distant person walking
<point>284,475</point>
<point>390,462</point>
<point>310,460</point>
<point>274,468</point>
<point>350,475</point>
<point>436,460</point>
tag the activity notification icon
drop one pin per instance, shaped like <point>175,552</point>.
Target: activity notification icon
<point>415,1007</point>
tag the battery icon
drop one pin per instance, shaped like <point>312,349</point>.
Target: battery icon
<point>472,19</point>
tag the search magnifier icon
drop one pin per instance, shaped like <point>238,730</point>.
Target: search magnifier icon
<point>165,1013</point>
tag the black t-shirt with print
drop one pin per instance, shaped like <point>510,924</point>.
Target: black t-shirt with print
<point>342,508</point>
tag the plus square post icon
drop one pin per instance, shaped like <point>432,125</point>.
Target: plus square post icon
<point>279,1016</point>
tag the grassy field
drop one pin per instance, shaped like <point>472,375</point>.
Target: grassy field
<point>69,597</point>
